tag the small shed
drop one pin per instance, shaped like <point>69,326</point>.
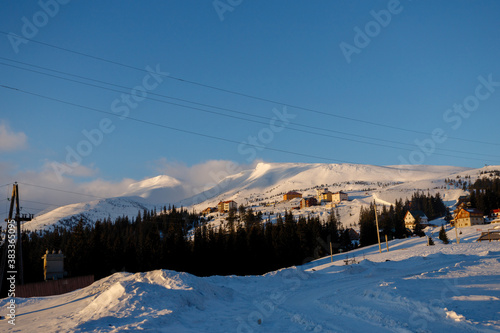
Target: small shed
<point>53,265</point>
<point>489,236</point>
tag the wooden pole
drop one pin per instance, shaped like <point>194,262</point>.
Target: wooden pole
<point>386,243</point>
<point>378,232</point>
<point>331,252</point>
<point>19,239</point>
<point>456,233</point>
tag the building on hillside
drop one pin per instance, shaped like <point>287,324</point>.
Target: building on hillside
<point>308,202</point>
<point>291,195</point>
<point>226,206</point>
<point>339,196</point>
<point>467,217</point>
<point>411,219</point>
<point>330,205</point>
<point>208,210</point>
<point>323,195</point>
<point>495,216</point>
<point>463,199</point>
<point>53,265</point>
<point>353,234</point>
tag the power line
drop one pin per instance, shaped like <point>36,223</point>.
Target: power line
<point>55,189</point>
<point>248,95</point>
<point>240,112</point>
<point>290,128</point>
<point>230,140</point>
<point>43,203</point>
<point>178,129</point>
<point>207,111</point>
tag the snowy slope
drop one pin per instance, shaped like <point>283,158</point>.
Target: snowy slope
<point>412,288</point>
<point>89,212</point>
<point>146,194</point>
<point>267,183</point>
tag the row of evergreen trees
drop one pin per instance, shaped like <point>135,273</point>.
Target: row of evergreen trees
<point>150,241</point>
<point>485,194</point>
<point>179,240</point>
<point>391,220</point>
<point>432,205</point>
<point>245,245</point>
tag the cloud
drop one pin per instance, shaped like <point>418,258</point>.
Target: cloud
<point>199,175</point>
<point>43,190</point>
<point>10,140</point>
<point>77,171</point>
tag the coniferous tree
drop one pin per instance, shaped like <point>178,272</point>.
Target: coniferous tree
<point>367,227</point>
<point>419,230</point>
<point>443,236</point>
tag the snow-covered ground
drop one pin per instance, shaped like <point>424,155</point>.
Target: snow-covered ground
<point>412,288</point>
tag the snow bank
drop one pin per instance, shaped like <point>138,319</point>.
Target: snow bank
<point>412,288</point>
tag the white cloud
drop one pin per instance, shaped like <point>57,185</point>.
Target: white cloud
<point>199,175</point>
<point>36,187</point>
<point>10,140</point>
<point>37,194</point>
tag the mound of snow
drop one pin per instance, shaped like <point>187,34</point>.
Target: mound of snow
<point>412,288</point>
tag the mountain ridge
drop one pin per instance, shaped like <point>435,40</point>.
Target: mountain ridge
<point>266,182</point>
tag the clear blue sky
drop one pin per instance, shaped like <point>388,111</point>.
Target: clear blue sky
<point>418,62</point>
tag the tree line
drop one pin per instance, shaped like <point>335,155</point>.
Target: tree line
<point>391,220</point>
<point>246,243</point>
<point>485,194</point>
<point>178,240</point>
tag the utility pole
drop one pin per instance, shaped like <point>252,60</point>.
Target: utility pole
<point>378,232</point>
<point>456,233</point>
<point>19,248</point>
<point>331,252</point>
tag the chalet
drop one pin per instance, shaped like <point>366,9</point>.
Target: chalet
<point>411,219</point>
<point>495,216</point>
<point>225,206</point>
<point>353,234</point>
<point>339,196</point>
<point>330,205</point>
<point>291,195</point>
<point>463,199</point>
<point>323,195</point>
<point>467,217</point>
<point>308,202</point>
<point>208,210</point>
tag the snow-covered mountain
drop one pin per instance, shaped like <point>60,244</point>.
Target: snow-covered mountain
<point>147,194</point>
<point>266,183</point>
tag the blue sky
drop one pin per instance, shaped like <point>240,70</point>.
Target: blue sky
<point>408,69</point>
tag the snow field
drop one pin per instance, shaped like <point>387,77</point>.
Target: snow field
<point>412,288</point>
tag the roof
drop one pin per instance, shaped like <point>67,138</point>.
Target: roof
<point>486,236</point>
<point>418,213</point>
<point>293,192</point>
<point>473,211</point>
<point>226,201</point>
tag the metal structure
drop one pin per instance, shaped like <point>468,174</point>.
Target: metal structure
<point>18,218</point>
